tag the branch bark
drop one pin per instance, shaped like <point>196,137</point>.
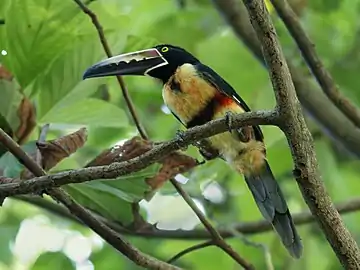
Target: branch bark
<point>122,168</point>
<point>112,237</point>
<point>247,228</point>
<point>299,138</point>
<point>308,51</point>
<point>332,121</point>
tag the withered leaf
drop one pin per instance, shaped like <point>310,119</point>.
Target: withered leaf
<point>172,164</point>
<point>6,180</point>
<point>52,152</point>
<point>26,114</point>
<point>5,74</point>
<point>130,149</point>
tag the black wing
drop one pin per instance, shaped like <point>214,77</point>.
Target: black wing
<point>219,83</point>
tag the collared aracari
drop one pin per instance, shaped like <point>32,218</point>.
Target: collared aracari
<point>196,94</point>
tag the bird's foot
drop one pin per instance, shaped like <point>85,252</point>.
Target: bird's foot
<point>228,119</point>
<point>180,139</point>
<point>244,134</point>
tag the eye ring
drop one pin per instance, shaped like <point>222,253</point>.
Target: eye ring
<point>164,49</point>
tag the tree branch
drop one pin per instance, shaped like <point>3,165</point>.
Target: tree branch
<point>299,138</point>
<point>112,237</point>
<point>332,121</point>
<point>247,228</point>
<point>122,168</point>
<point>107,50</point>
<point>307,48</point>
<point>217,238</point>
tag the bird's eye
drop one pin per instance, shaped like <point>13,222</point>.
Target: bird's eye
<point>164,49</point>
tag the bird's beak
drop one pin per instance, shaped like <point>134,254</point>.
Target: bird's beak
<point>134,63</point>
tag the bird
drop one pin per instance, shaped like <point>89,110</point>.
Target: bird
<point>195,94</point>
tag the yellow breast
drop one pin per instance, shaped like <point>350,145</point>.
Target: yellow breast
<point>194,95</point>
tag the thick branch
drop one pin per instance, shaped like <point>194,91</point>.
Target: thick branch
<point>307,48</point>
<point>217,238</point>
<point>122,168</point>
<point>112,237</point>
<point>108,52</point>
<point>247,228</point>
<point>332,121</point>
<point>306,169</point>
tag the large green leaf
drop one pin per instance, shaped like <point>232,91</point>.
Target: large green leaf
<point>112,198</point>
<point>88,111</point>
<point>106,258</point>
<point>46,28</point>
<point>53,261</point>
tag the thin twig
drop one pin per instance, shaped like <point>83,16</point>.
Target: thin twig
<point>299,138</point>
<point>107,50</point>
<point>267,255</point>
<point>307,48</point>
<point>246,228</point>
<point>112,237</point>
<point>217,238</point>
<point>191,249</point>
<point>117,169</point>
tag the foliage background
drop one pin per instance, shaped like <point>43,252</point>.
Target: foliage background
<point>47,45</point>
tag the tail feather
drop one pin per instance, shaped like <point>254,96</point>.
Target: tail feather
<point>272,205</point>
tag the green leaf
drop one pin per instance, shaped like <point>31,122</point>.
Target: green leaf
<point>6,127</point>
<point>106,258</point>
<point>10,166</point>
<point>203,22</point>
<point>8,232</point>
<point>112,198</point>
<point>46,28</point>
<point>9,103</point>
<point>53,261</point>
<point>92,112</point>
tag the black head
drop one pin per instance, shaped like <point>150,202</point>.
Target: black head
<point>176,57</point>
<point>159,62</point>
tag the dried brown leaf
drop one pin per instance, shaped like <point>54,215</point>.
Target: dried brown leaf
<point>130,149</point>
<point>172,165</point>
<point>5,74</point>
<point>6,180</point>
<point>54,151</point>
<point>27,116</point>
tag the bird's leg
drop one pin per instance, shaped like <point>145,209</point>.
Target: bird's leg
<point>179,136</point>
<point>206,151</point>
<point>242,133</point>
<point>228,120</point>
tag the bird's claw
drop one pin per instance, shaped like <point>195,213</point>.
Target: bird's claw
<point>228,120</point>
<point>180,139</point>
<point>200,162</point>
